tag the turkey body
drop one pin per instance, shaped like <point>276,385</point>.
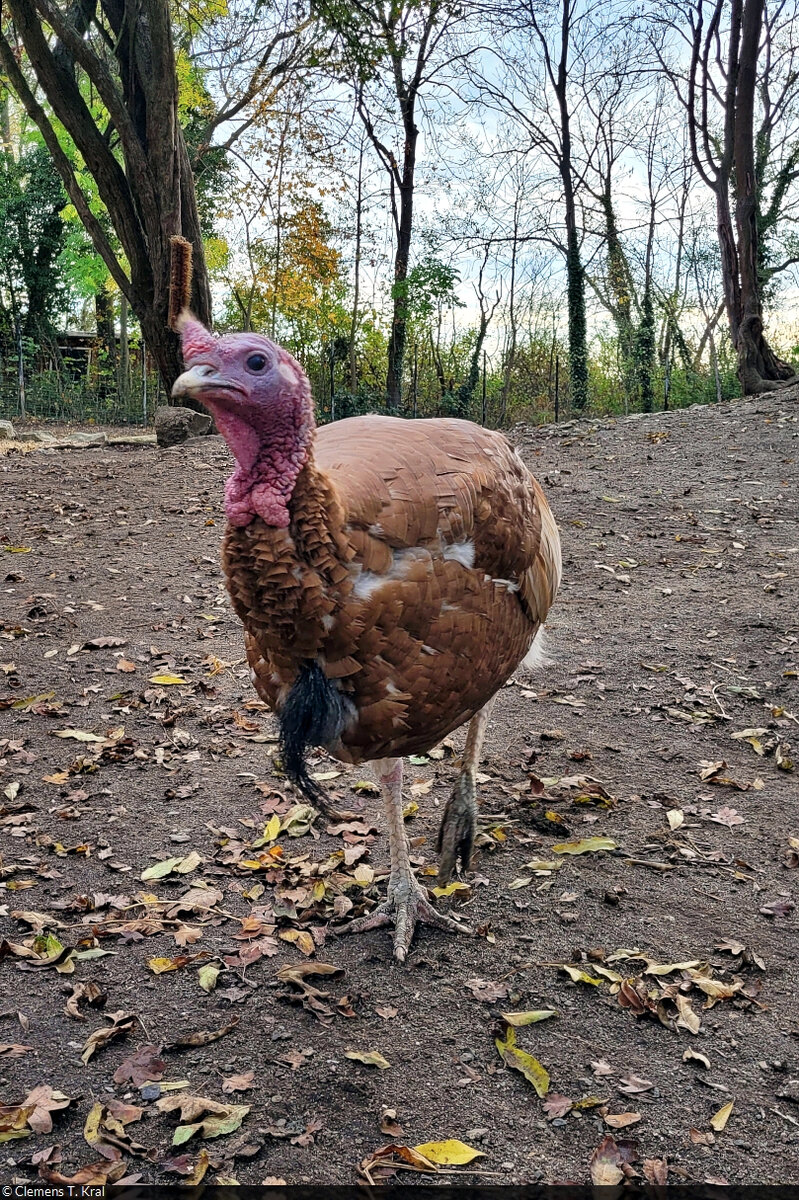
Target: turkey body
<point>420,561</point>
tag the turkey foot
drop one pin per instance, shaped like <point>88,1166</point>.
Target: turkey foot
<point>456,835</point>
<point>406,904</point>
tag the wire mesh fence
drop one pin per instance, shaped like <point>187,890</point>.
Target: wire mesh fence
<point>79,386</point>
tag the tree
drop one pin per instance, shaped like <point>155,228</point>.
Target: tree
<point>536,89</point>
<point>394,48</point>
<point>128,133</point>
<point>730,60</point>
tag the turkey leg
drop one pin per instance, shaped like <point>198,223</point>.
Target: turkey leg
<point>456,835</point>
<point>407,901</point>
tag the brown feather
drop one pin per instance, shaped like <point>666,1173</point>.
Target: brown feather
<point>369,579</point>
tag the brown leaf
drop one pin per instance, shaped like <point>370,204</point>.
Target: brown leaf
<point>202,1037</point>
<point>622,1120</point>
<point>45,1102</point>
<point>121,1022</point>
<point>92,993</point>
<point>556,1105</point>
<point>102,1173</point>
<point>605,1164</point>
<point>142,1067</point>
<point>487,990</point>
<point>238,1083</point>
<point>655,1171</point>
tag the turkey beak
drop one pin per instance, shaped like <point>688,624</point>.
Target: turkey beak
<point>198,379</point>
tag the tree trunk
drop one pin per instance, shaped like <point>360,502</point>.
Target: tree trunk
<point>399,320</point>
<point>575,277</point>
<point>356,288</point>
<point>759,368</point>
<point>151,197</point>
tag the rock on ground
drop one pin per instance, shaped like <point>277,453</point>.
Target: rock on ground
<point>6,431</point>
<point>174,425</point>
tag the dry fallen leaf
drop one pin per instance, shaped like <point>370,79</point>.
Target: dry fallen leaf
<point>451,1153</point>
<point>145,1066</point>
<point>585,846</point>
<point>523,1062</point>
<point>370,1058</point>
<point>719,1120</point>
<point>605,1164</point>
<point>530,1017</point>
<point>121,1022</point>
<point>622,1120</point>
<point>238,1083</point>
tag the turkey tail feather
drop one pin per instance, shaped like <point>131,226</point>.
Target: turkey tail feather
<point>314,714</point>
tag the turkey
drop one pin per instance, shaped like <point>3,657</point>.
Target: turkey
<point>390,576</point>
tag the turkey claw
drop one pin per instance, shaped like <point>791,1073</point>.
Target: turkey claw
<point>456,835</point>
<point>406,905</point>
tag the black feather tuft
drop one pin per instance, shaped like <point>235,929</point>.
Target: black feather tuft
<point>314,715</point>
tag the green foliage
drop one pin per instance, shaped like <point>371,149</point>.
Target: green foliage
<point>428,287</point>
<point>32,235</point>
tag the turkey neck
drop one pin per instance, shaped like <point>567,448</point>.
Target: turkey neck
<point>286,584</point>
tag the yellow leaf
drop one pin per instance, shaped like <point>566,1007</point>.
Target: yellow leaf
<point>579,976</point>
<point>272,829</point>
<point>530,1017</point>
<point>299,938</point>
<point>585,846</point>
<point>521,1061</point>
<point>167,679</point>
<point>159,965</point>
<point>188,864</point>
<point>451,1153</point>
<point>80,735</point>
<point>450,889</point>
<point>720,1119</point>
<point>370,1058</point>
<point>17,549</point>
<point>207,977</point>
<point>653,968</point>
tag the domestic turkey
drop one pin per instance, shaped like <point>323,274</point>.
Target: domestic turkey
<point>390,575</point>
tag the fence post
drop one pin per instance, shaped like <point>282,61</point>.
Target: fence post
<point>415,378</point>
<point>144,382</point>
<point>484,390</point>
<point>20,368</point>
<point>557,388</point>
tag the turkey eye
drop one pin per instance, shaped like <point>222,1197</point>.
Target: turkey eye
<point>256,362</point>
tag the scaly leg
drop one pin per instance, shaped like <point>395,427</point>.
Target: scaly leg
<point>407,901</point>
<point>456,835</point>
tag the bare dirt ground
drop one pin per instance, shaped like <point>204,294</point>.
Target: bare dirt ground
<point>675,631</point>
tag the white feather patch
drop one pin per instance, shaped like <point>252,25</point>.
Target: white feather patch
<point>538,656</point>
<point>462,552</point>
